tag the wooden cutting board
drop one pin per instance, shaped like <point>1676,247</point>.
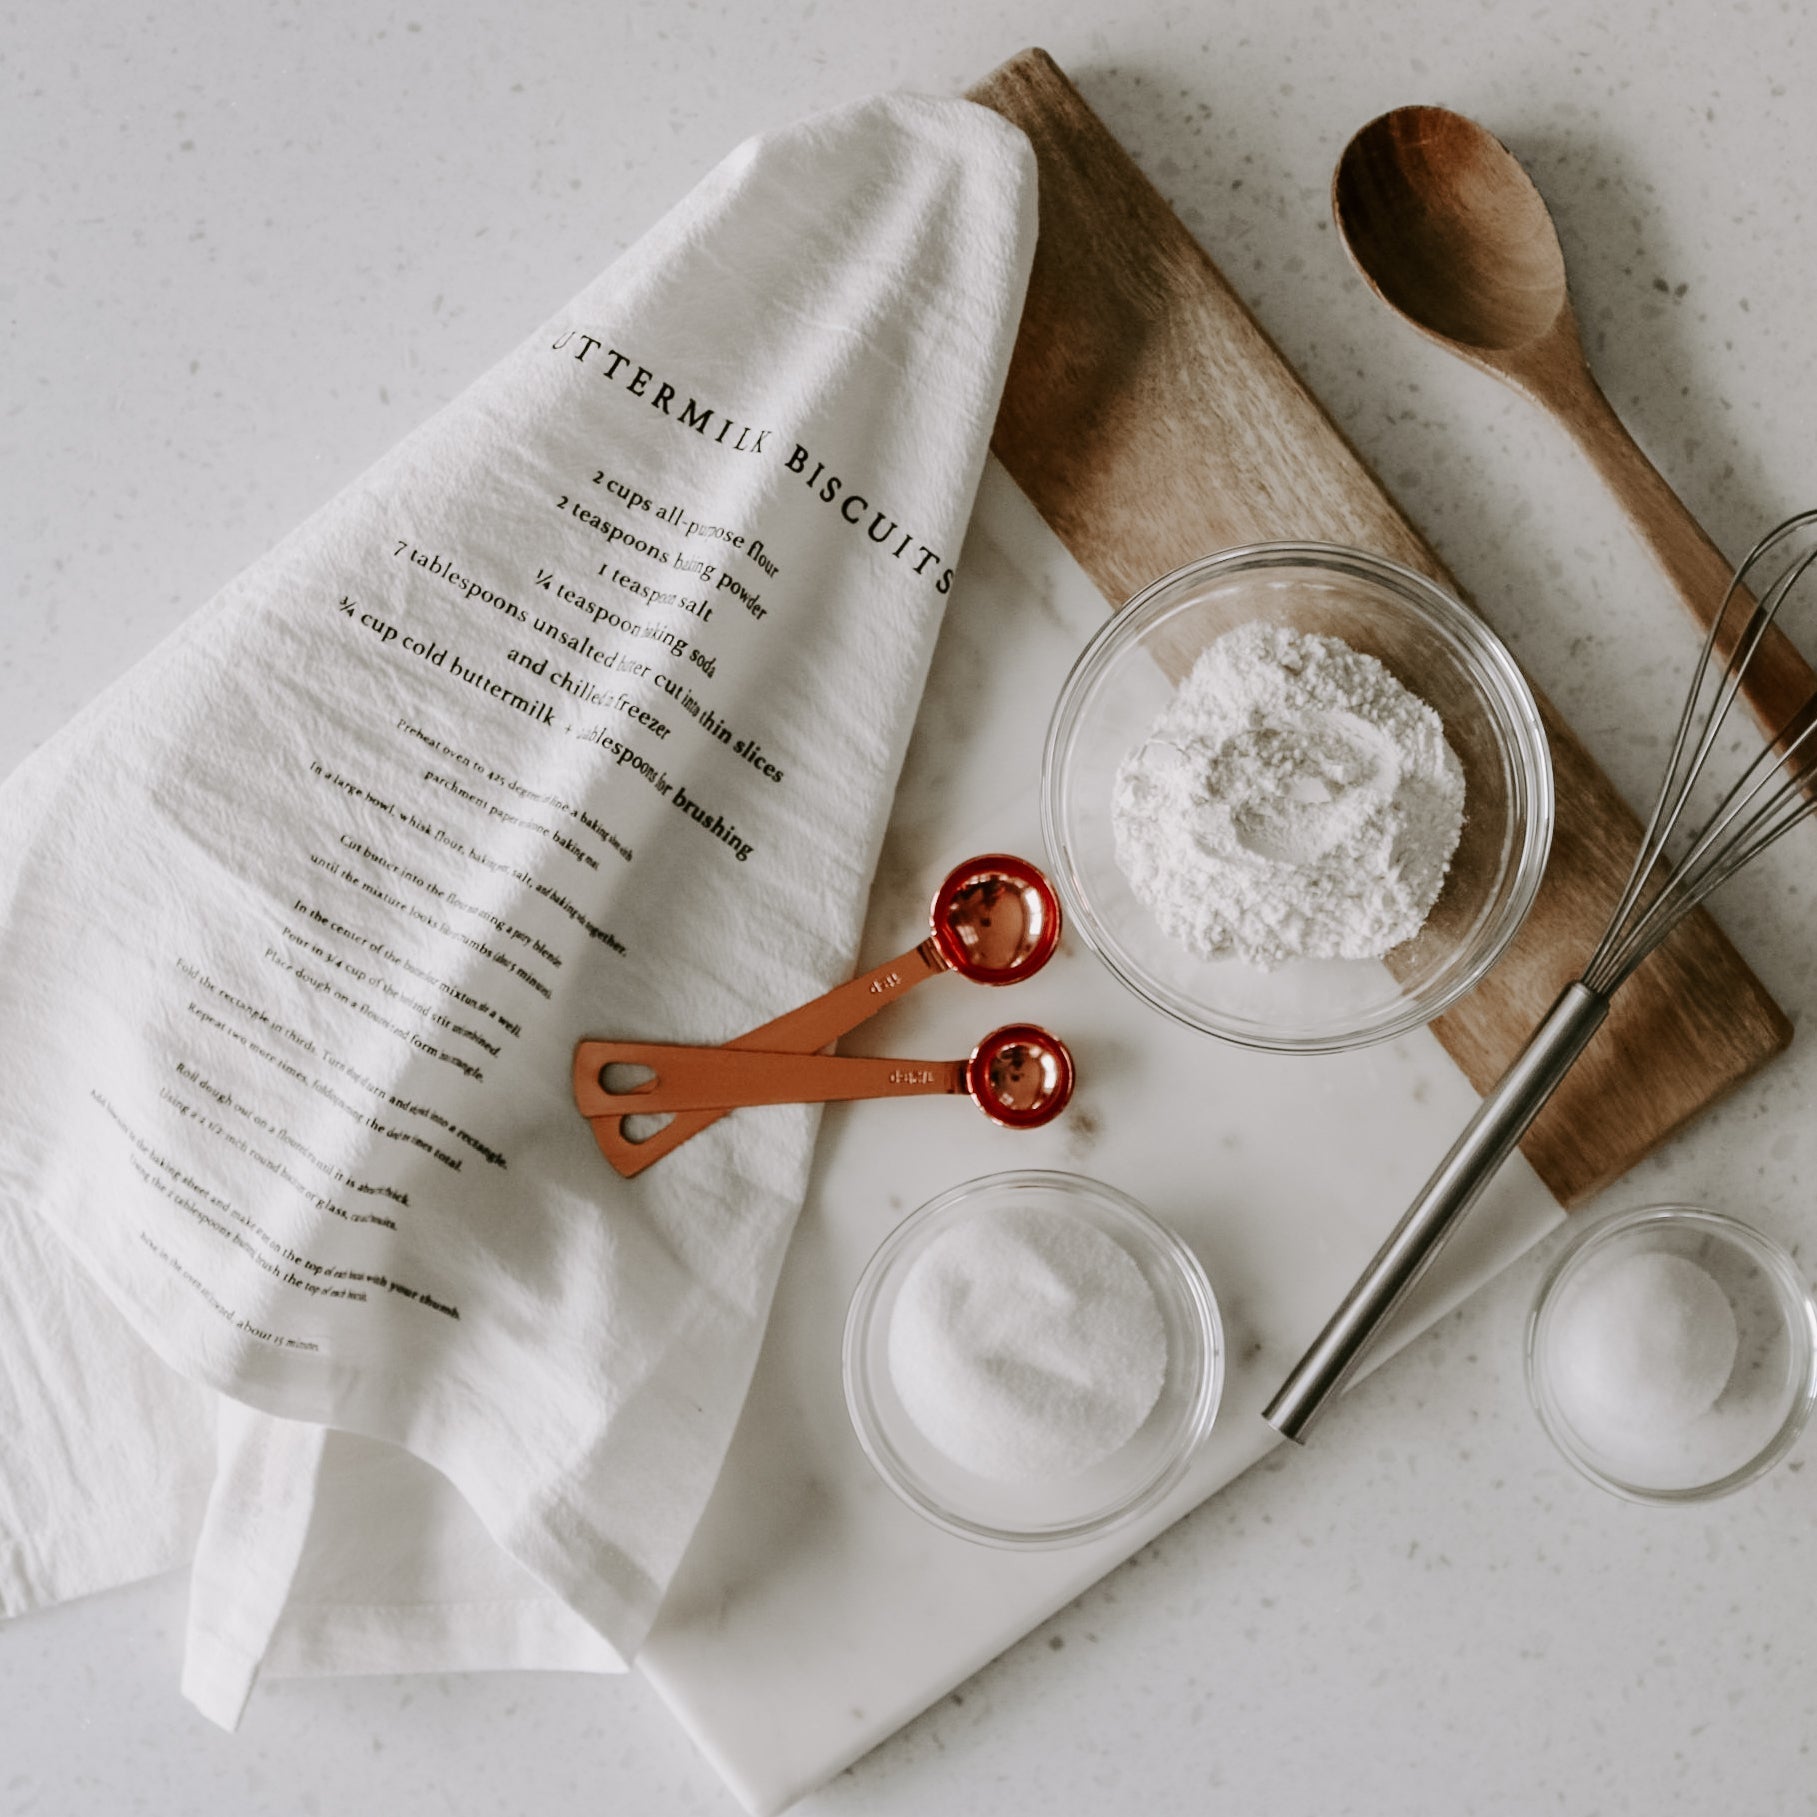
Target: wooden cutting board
<point>1151,421</point>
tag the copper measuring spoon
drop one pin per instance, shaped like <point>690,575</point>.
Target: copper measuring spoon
<point>995,920</point>
<point>1450,232</point>
<point>1019,1076</point>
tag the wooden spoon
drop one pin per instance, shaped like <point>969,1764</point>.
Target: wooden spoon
<point>1450,232</point>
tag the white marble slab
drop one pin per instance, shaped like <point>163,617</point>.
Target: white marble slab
<point>815,1613</point>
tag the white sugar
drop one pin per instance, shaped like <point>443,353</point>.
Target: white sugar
<point>1026,1343</point>
<point>1646,1348</point>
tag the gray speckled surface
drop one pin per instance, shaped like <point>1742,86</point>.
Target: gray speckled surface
<point>247,245</point>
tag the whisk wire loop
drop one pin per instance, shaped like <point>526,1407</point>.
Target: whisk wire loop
<point>1669,804</point>
<point>1740,824</point>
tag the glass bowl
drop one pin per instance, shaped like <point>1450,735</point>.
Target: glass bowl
<point>1761,1406</point>
<point>1440,651</point>
<point>1038,1511</point>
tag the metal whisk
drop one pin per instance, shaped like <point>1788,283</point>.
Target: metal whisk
<point>1776,791</point>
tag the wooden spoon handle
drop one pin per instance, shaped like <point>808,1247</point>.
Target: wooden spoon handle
<point>1779,682</point>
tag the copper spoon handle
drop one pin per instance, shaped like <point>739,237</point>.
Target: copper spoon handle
<point>803,1030</point>
<point>722,1078</point>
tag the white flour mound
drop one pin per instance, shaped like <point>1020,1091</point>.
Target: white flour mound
<point>1293,801</point>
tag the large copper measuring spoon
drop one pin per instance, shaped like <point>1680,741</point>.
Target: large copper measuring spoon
<point>995,919</point>
<point>1019,1076</point>
<point>1451,234</point>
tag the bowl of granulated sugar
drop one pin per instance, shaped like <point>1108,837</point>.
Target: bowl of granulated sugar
<point>1297,796</point>
<point>1672,1353</point>
<point>1031,1359</point>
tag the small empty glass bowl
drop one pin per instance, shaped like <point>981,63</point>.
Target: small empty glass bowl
<point>1604,1380</point>
<point>1039,1511</point>
<point>1438,650</point>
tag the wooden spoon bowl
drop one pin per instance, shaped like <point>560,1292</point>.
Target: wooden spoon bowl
<point>1450,231</point>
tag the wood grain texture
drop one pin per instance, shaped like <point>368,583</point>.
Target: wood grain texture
<point>1151,421</point>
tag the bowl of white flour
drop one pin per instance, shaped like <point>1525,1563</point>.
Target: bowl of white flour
<point>1297,796</point>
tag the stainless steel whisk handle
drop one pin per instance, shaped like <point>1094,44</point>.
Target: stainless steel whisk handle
<point>1488,1139</point>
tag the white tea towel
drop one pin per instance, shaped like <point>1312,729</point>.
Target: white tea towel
<point>106,1454</point>
<point>398,1575</point>
<point>578,715</point>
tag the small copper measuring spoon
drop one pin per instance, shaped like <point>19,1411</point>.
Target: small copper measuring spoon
<point>1019,1076</point>
<point>995,920</point>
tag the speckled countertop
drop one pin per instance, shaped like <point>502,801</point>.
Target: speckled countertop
<point>247,246</point>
